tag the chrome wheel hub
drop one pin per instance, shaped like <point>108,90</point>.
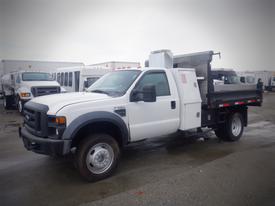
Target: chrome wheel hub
<point>100,158</point>
<point>236,126</point>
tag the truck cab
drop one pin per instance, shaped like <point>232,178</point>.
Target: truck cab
<point>20,87</point>
<point>224,76</point>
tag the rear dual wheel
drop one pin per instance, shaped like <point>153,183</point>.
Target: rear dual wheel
<point>232,130</point>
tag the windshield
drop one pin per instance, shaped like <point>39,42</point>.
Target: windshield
<point>231,80</point>
<point>91,81</point>
<point>36,76</point>
<point>250,79</point>
<point>115,83</point>
<point>229,77</point>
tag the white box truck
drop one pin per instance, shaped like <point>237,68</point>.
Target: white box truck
<point>126,106</point>
<point>20,87</point>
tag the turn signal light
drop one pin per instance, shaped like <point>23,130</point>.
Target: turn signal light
<point>60,120</point>
<point>25,94</point>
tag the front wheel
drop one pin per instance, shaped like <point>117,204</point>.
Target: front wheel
<point>97,157</point>
<point>20,105</point>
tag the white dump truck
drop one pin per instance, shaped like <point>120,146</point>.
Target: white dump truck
<point>130,105</point>
<point>75,79</point>
<point>20,87</point>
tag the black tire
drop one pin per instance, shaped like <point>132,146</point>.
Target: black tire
<point>104,143</point>
<point>7,102</point>
<point>221,132</point>
<point>232,130</point>
<point>239,123</point>
<point>19,105</point>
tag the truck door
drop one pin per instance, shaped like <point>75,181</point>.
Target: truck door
<point>152,119</point>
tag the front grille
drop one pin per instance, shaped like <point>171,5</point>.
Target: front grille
<point>40,91</point>
<point>35,119</point>
<point>32,119</point>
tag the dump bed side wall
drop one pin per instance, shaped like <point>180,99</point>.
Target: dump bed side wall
<point>201,63</point>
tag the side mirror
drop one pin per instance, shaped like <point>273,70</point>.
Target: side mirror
<point>147,94</point>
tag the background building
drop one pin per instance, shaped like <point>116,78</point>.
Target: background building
<point>17,65</point>
<point>117,64</point>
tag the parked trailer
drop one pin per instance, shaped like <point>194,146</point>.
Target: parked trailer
<point>75,79</point>
<point>126,106</point>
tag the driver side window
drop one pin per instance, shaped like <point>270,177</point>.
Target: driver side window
<point>158,79</point>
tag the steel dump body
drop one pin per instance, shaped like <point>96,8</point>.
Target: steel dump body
<point>215,96</point>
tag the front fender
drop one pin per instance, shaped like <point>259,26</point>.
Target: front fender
<point>93,117</point>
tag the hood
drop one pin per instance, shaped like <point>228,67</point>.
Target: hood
<point>57,101</point>
<point>39,83</point>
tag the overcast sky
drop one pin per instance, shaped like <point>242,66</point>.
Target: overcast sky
<point>93,31</point>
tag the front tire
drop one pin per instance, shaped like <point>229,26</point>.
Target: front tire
<point>7,102</point>
<point>20,105</point>
<point>97,157</point>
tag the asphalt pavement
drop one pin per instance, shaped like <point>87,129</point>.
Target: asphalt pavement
<point>174,170</point>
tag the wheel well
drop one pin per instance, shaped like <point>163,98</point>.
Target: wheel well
<point>224,114</point>
<point>98,127</point>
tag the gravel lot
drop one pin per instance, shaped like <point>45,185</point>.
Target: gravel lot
<point>162,171</point>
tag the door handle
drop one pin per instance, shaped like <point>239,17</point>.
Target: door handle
<point>173,104</point>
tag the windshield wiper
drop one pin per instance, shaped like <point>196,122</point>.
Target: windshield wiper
<point>100,91</point>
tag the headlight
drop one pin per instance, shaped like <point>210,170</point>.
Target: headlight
<point>56,126</point>
<point>25,94</point>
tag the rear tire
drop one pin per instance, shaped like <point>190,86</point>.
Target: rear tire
<point>97,157</point>
<point>232,130</point>
<point>235,127</point>
<point>220,132</point>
